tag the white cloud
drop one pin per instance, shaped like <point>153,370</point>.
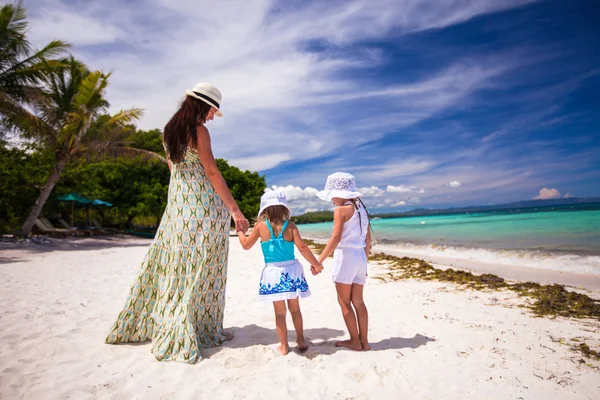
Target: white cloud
<point>260,163</point>
<point>398,189</point>
<point>296,193</point>
<point>568,196</point>
<point>304,200</point>
<point>546,194</point>
<point>372,191</point>
<point>276,91</point>
<point>454,184</point>
<point>76,28</point>
<point>392,170</point>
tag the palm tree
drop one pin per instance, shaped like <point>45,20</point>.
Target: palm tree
<point>70,120</point>
<point>22,70</point>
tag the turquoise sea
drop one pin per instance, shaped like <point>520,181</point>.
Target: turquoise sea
<point>561,237</point>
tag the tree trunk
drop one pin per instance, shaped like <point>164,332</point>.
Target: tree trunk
<point>25,230</point>
<point>129,223</point>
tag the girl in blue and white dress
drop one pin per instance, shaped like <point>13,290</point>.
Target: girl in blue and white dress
<point>282,278</point>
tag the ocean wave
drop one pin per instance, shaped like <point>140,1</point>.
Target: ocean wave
<point>585,264</point>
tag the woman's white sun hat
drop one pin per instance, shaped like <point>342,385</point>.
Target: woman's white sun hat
<point>339,184</point>
<point>208,93</point>
<point>273,198</point>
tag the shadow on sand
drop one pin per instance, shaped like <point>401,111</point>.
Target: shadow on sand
<point>394,343</point>
<point>17,251</point>
<point>322,341</point>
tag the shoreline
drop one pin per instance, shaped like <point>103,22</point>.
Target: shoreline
<point>588,282</point>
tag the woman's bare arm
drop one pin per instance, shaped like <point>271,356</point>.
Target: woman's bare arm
<point>216,179</point>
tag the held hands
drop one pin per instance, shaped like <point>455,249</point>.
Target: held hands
<point>241,223</point>
<point>316,269</point>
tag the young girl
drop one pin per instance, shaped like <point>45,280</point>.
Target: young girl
<point>350,244</point>
<point>283,276</point>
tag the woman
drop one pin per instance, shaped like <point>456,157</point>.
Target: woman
<point>178,298</point>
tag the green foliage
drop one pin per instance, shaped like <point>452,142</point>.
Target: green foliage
<point>314,217</point>
<point>246,187</point>
<point>135,186</point>
<point>147,140</point>
<point>22,174</point>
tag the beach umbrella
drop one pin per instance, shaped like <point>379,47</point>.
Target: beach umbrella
<point>101,203</point>
<point>98,203</point>
<point>74,198</point>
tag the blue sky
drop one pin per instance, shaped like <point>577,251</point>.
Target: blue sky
<point>428,103</point>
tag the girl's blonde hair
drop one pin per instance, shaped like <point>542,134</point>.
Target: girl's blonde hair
<point>275,214</point>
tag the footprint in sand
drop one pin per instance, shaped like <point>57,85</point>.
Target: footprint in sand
<point>254,355</point>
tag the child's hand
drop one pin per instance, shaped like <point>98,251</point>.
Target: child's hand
<point>316,269</point>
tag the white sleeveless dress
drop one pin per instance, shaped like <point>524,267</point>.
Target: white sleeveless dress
<point>349,258</point>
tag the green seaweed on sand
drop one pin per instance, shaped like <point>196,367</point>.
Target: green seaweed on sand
<point>547,300</point>
<point>587,352</point>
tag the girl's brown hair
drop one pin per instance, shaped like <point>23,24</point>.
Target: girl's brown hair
<point>276,215</point>
<point>181,129</point>
<point>356,201</point>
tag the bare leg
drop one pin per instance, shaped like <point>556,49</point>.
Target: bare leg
<point>280,314</point>
<point>344,296</point>
<point>361,314</point>
<point>294,307</point>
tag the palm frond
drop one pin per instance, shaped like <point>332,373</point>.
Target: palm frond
<point>118,149</point>
<point>13,27</point>
<point>125,117</point>
<point>90,93</point>
<point>23,121</point>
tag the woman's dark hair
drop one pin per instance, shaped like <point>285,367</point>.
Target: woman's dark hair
<point>181,129</point>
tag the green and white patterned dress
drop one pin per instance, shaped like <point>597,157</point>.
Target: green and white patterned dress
<point>178,297</point>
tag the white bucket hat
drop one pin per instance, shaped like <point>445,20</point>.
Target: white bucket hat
<point>207,93</point>
<point>339,184</point>
<point>273,198</point>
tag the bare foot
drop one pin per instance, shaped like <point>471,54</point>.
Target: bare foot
<point>283,350</point>
<point>302,345</point>
<point>366,346</point>
<point>228,335</point>
<point>349,344</point>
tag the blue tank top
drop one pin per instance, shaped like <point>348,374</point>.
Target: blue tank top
<point>277,249</point>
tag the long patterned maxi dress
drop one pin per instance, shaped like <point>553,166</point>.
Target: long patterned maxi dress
<point>178,297</point>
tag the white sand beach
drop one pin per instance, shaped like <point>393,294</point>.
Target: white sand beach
<point>430,340</point>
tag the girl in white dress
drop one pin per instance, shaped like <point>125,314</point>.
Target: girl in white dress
<point>350,244</point>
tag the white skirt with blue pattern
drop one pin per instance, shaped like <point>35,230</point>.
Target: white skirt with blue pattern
<point>283,281</point>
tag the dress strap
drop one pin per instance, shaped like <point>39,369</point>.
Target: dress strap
<point>270,228</point>
<point>285,225</point>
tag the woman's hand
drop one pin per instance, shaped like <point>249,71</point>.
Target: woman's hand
<point>241,223</point>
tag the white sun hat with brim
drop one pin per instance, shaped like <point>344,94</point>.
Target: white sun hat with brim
<point>207,93</point>
<point>339,184</point>
<point>273,198</point>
